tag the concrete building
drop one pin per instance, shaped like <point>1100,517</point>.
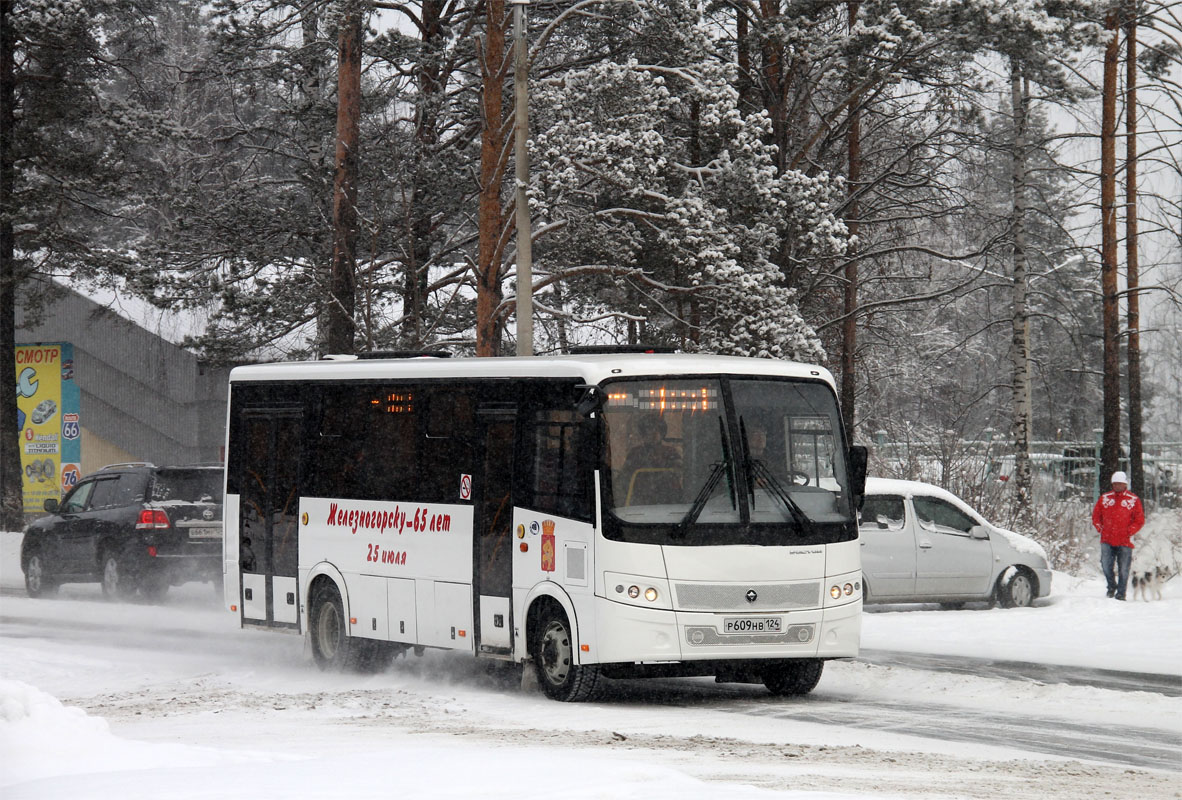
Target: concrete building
<point>143,398</point>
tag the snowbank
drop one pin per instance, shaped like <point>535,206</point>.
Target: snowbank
<point>1076,626</point>
<point>41,738</point>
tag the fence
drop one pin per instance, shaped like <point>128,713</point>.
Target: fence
<point>1061,470</point>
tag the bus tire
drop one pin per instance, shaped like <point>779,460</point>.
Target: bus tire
<point>326,628</point>
<point>793,678</point>
<point>554,660</point>
<point>333,649</point>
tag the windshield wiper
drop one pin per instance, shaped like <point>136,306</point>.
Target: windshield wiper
<point>758,471</point>
<point>717,469</point>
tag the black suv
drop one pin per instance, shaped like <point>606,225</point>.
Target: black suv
<point>132,527</point>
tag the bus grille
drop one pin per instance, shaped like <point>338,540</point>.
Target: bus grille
<point>733,597</point>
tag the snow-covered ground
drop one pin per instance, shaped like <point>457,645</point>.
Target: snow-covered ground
<point>101,700</point>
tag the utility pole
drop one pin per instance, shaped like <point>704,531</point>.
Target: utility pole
<point>525,257</point>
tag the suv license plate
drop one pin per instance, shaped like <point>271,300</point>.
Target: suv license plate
<point>751,625</point>
<point>205,533</point>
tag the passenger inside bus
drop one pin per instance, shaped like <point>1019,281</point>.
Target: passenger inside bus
<point>757,441</point>
<point>652,470</point>
<point>246,555</point>
<point>757,451</point>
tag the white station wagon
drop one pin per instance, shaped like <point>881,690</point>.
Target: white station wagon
<point>922,544</point>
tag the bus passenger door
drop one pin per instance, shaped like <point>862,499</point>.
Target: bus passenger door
<point>493,576</point>
<point>268,549</point>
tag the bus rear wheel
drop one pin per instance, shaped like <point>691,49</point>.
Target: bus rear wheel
<point>791,678</point>
<point>333,649</point>
<point>554,658</point>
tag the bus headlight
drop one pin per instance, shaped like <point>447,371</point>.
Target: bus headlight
<point>644,591</point>
<point>835,592</point>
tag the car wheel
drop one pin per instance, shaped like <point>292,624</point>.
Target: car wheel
<point>117,581</point>
<point>38,580</point>
<point>554,659</point>
<point>1015,589</point>
<point>793,678</point>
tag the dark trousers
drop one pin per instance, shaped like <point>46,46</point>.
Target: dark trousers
<point>1121,558</point>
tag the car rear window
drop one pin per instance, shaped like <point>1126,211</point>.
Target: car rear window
<point>189,486</point>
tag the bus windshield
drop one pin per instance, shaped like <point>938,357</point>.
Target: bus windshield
<point>692,454</point>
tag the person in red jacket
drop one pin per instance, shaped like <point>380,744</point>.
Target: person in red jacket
<point>1117,515</point>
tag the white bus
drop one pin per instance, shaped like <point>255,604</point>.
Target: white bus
<point>601,515</point>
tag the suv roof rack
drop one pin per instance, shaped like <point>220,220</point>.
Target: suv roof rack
<point>127,465</point>
<point>405,354</point>
<point>194,465</point>
<point>610,349</point>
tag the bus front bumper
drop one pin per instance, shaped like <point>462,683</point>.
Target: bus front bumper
<point>633,634</point>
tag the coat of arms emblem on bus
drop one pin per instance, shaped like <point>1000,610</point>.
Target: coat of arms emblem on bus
<point>548,545</point>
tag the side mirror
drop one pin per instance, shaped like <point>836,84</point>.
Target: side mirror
<point>856,460</point>
<point>52,505</point>
<point>978,532</point>
<point>591,401</point>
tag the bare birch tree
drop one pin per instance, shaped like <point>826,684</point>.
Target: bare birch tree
<point>1021,419</point>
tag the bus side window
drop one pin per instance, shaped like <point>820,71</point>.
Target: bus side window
<point>560,478</point>
<point>449,414</point>
<point>446,445</point>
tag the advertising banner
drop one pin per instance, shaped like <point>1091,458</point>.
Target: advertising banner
<point>48,415</point>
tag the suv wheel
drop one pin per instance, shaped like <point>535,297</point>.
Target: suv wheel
<point>38,582</point>
<point>117,582</point>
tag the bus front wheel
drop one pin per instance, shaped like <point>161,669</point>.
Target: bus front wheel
<point>554,658</point>
<point>793,677</point>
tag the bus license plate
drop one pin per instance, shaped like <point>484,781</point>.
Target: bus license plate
<point>751,625</point>
<point>205,533</point>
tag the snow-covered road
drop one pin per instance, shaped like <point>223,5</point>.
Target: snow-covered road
<point>178,702</point>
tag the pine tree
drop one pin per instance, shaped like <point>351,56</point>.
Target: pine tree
<point>67,160</point>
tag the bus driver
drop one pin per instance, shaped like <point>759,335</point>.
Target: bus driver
<point>652,470</point>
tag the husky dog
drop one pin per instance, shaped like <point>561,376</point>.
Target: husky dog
<point>1150,582</point>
